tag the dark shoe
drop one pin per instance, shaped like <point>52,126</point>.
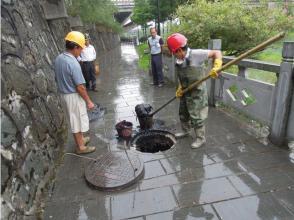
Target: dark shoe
<point>94,90</point>
<point>153,84</point>
<point>86,150</point>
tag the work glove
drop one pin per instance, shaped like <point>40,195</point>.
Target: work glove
<point>216,66</point>
<point>179,92</point>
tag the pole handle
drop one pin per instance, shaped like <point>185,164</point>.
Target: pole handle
<point>237,59</point>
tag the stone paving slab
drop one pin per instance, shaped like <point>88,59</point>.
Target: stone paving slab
<point>262,206</point>
<point>142,203</point>
<point>207,191</point>
<point>261,181</point>
<point>198,212</point>
<point>234,176</point>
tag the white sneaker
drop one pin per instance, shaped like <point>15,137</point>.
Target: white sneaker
<point>198,143</point>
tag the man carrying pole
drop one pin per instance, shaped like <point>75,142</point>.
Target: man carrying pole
<point>193,109</point>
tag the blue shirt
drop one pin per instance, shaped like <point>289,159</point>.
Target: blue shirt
<point>68,73</point>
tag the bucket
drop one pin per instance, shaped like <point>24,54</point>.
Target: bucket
<point>124,129</point>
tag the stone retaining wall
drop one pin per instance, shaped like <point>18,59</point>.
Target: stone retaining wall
<point>33,124</point>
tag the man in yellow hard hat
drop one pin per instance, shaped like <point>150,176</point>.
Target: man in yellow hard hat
<point>70,82</point>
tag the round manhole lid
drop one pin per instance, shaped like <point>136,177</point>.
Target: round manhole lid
<point>114,171</point>
<point>153,141</point>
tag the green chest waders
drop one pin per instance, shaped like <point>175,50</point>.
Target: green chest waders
<point>194,104</point>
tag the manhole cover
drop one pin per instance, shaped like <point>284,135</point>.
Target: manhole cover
<point>153,141</point>
<point>114,171</point>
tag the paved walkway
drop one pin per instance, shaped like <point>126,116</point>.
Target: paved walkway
<point>232,177</point>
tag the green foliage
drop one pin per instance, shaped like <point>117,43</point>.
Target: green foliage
<point>144,58</point>
<point>240,25</point>
<point>141,12</point>
<point>94,11</point>
<point>273,53</point>
<point>147,10</point>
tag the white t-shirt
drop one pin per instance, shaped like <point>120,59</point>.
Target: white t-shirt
<point>88,54</point>
<point>197,57</point>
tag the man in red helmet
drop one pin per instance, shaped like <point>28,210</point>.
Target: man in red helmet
<point>190,65</point>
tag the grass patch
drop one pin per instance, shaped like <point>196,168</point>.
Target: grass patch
<point>273,53</point>
<point>144,59</point>
<point>263,76</point>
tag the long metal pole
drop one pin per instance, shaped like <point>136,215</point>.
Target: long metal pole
<point>227,65</point>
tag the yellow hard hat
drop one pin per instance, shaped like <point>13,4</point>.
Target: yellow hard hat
<point>76,37</point>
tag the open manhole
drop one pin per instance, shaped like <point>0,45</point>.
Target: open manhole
<point>153,141</point>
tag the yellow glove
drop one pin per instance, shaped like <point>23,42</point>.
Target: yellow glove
<point>179,92</point>
<point>216,66</point>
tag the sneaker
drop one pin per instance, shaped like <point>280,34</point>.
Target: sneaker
<point>86,150</point>
<point>86,140</point>
<point>153,84</point>
<point>198,143</point>
<point>160,85</point>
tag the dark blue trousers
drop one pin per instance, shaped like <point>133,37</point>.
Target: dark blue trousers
<point>88,70</point>
<point>156,64</point>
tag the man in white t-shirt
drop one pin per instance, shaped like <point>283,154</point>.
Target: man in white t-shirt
<point>190,63</point>
<point>87,58</point>
<point>155,43</point>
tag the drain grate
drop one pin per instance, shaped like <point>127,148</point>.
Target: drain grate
<point>153,141</point>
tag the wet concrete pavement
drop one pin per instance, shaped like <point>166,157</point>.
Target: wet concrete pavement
<point>233,177</point>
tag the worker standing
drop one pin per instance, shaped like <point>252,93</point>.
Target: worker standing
<point>87,58</point>
<point>155,43</point>
<point>190,64</point>
<point>70,83</point>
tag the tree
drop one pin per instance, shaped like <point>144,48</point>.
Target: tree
<point>141,13</point>
<point>240,26</point>
<point>158,10</point>
<point>94,11</point>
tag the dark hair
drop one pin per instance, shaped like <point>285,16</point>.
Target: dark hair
<point>185,48</point>
<point>69,45</point>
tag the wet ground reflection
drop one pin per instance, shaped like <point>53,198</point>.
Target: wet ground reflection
<point>233,177</point>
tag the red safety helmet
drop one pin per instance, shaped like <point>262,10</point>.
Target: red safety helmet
<point>176,41</point>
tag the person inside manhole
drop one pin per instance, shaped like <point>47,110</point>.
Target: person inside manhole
<point>190,65</point>
<point>70,83</point>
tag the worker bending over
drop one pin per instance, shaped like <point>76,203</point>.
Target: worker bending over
<point>190,65</point>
